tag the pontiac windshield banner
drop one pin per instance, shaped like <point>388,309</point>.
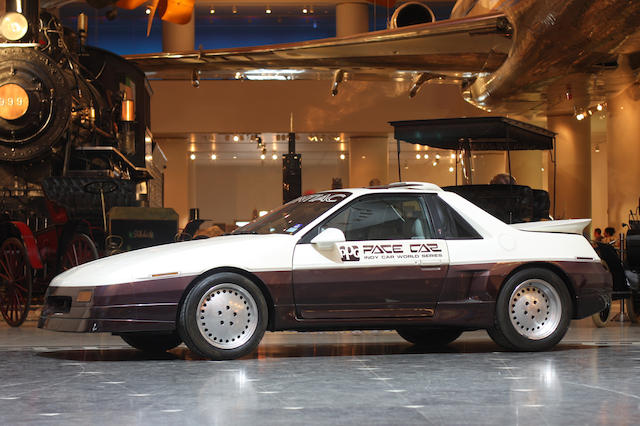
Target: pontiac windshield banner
<point>355,252</point>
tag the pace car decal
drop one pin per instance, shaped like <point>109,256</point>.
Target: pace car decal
<point>389,251</point>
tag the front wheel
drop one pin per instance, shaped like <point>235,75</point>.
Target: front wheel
<point>429,338</point>
<point>152,342</point>
<point>224,316</point>
<point>533,311</point>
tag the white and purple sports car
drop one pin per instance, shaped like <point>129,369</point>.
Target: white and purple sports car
<point>407,256</point>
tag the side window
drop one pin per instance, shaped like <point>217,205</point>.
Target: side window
<point>392,217</point>
<point>448,223</point>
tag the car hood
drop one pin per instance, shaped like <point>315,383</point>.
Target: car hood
<point>273,252</point>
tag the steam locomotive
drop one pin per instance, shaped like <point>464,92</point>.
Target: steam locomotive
<point>74,141</point>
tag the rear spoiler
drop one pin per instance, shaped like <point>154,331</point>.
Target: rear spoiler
<point>569,226</point>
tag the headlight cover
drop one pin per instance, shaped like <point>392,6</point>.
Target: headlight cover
<point>13,26</point>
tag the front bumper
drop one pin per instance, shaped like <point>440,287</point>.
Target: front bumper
<point>119,308</point>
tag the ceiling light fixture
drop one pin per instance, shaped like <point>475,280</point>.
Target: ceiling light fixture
<point>267,10</point>
<point>236,138</point>
<point>342,156</point>
<point>599,107</point>
<point>305,10</point>
<point>262,156</point>
<point>214,157</point>
<point>147,10</point>
<point>580,116</point>
<point>212,10</point>
<point>192,156</point>
<point>274,156</point>
<point>234,9</point>
<point>417,156</point>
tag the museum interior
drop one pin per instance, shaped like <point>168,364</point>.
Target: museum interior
<point>129,128</point>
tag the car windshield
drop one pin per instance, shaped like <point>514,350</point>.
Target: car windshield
<point>294,215</point>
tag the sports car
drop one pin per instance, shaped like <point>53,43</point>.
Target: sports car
<point>406,256</point>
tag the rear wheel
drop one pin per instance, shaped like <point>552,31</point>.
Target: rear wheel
<point>429,337</point>
<point>633,306</point>
<point>152,342</point>
<point>224,316</point>
<point>602,318</point>
<point>15,282</point>
<point>533,311</point>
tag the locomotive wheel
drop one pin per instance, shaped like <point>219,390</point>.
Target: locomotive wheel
<point>81,249</point>
<point>15,282</point>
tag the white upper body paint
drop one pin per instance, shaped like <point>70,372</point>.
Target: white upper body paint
<point>275,252</point>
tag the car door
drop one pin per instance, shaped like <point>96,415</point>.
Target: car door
<point>390,264</point>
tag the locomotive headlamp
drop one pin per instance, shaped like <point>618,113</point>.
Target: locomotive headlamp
<point>13,26</point>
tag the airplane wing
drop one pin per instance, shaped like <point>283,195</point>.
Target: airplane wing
<point>452,49</point>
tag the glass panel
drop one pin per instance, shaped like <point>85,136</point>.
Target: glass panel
<point>382,218</point>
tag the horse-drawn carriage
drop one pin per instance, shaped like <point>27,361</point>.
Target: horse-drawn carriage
<point>74,141</point>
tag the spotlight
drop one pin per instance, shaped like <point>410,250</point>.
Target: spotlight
<point>597,148</point>
<point>453,156</point>
<point>234,9</point>
<point>599,107</point>
<point>147,10</point>
<point>212,11</point>
<point>580,116</point>
<point>274,156</point>
<point>195,78</point>
<point>451,169</point>
<point>192,156</point>
<point>213,156</point>
<point>342,156</point>
<point>305,10</point>
<point>426,156</point>
<point>236,138</point>
<point>435,163</point>
<point>437,156</point>
<point>267,10</point>
<point>417,156</point>
<point>262,156</point>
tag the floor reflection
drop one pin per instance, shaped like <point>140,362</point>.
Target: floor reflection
<point>298,350</point>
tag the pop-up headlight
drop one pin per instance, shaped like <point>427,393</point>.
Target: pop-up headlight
<point>13,26</point>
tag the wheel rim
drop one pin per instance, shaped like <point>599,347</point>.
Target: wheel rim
<point>227,316</point>
<point>80,251</point>
<point>535,309</point>
<point>15,283</point>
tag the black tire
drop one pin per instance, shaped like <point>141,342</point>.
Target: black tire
<point>602,318</point>
<point>429,337</point>
<point>224,316</point>
<point>633,306</point>
<point>152,342</point>
<point>533,311</point>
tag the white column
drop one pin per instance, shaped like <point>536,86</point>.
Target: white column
<point>623,155</point>
<point>177,38</point>
<point>573,167</point>
<point>352,18</point>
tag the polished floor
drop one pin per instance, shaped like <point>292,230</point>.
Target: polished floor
<point>347,378</point>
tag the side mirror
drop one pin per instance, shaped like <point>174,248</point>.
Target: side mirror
<point>328,238</point>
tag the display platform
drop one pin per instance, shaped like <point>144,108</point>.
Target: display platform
<point>322,378</point>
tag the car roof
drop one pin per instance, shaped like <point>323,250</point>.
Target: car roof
<point>394,187</point>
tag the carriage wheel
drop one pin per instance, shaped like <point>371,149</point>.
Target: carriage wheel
<point>15,282</point>
<point>81,249</point>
